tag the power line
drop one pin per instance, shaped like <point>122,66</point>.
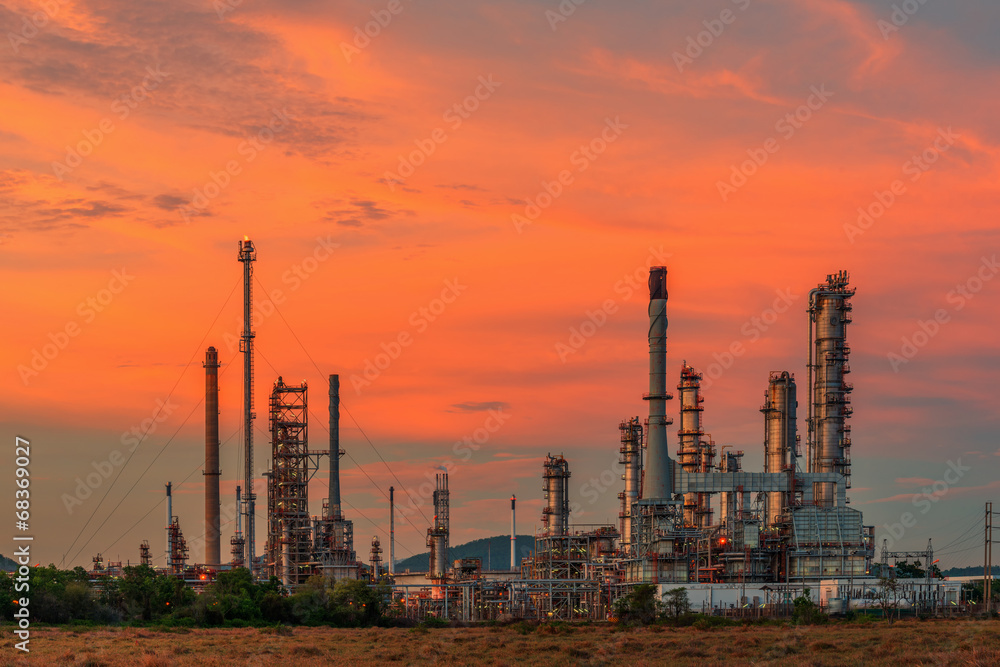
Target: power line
<point>148,467</point>
<point>344,405</point>
<point>363,471</point>
<point>959,540</point>
<point>152,421</point>
<point>160,502</point>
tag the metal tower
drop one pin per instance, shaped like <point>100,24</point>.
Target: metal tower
<point>631,460</point>
<point>289,535</point>
<point>238,542</point>
<point>829,404</point>
<point>376,559</point>
<point>555,514</point>
<point>333,534</point>
<point>690,435</point>
<point>248,255</point>
<point>437,537</point>
<point>780,448</point>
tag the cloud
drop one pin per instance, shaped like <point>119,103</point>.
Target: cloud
<point>480,407</point>
<point>359,211</point>
<point>463,186</point>
<point>169,202</point>
<point>913,481</point>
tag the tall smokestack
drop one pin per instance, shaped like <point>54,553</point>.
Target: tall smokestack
<point>658,482</point>
<point>392,531</point>
<point>170,519</point>
<point>213,554</point>
<point>334,492</point>
<point>513,536</point>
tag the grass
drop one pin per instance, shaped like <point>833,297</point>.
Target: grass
<point>939,643</point>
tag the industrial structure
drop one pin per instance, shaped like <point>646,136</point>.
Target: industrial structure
<point>697,519</point>
<point>212,472</point>
<point>248,255</point>
<point>437,535</point>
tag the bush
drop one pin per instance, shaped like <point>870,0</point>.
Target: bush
<point>640,606</point>
<point>676,603</point>
<point>806,612</point>
<point>523,627</point>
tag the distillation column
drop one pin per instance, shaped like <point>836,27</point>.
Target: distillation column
<point>658,483</point>
<point>631,461</point>
<point>555,514</point>
<point>213,552</point>
<point>690,434</point>
<point>437,537</point>
<point>780,449</point>
<point>829,404</point>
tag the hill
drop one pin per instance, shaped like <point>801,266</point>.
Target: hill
<point>7,565</point>
<point>970,571</point>
<point>495,552</point>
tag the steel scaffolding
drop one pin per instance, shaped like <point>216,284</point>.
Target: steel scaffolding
<point>289,538</point>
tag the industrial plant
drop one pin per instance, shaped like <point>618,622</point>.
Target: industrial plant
<point>733,538</point>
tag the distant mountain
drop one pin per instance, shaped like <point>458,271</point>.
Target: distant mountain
<point>495,552</point>
<point>6,564</point>
<point>963,571</point>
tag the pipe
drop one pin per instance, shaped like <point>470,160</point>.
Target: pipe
<point>513,536</point>
<point>658,482</point>
<point>334,491</point>
<point>392,531</point>
<point>213,553</point>
<point>170,520</point>
<point>248,255</point>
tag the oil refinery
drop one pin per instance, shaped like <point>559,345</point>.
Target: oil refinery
<point>732,537</point>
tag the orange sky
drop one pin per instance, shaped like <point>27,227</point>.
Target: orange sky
<point>169,100</point>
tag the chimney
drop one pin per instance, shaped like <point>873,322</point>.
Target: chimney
<point>658,482</point>
<point>213,555</point>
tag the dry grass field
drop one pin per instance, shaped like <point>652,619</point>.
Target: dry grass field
<point>904,643</point>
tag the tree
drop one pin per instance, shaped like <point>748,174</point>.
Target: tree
<point>639,606</point>
<point>138,586</point>
<point>676,602</point>
<point>48,593</point>
<point>354,603</point>
<point>805,610</point>
<point>907,570</point>
<point>308,605</point>
<point>887,595</point>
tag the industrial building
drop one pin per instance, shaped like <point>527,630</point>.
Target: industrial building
<point>697,520</point>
